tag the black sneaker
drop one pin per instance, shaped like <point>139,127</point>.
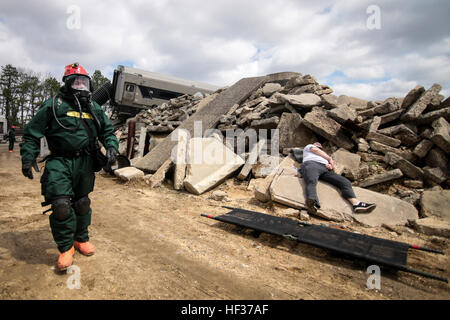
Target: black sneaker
<point>312,206</point>
<point>363,207</point>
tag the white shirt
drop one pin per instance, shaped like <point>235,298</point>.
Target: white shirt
<point>308,155</point>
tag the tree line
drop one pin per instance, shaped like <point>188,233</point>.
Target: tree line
<point>23,91</point>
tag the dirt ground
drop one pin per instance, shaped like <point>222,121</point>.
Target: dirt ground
<point>153,244</point>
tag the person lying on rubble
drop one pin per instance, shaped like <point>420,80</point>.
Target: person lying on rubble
<point>316,165</point>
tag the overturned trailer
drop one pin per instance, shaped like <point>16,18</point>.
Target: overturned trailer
<point>134,89</point>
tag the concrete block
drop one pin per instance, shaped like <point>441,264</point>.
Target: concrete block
<point>432,226</point>
<point>180,160</point>
<point>251,160</point>
<point>380,178</point>
<point>160,174</point>
<point>129,173</point>
<point>262,192</point>
<point>209,163</point>
<point>441,134</point>
<point>436,203</point>
<point>290,191</point>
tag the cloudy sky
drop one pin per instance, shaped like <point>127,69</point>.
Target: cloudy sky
<point>367,49</point>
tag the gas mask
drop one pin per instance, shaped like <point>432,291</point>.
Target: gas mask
<point>80,88</point>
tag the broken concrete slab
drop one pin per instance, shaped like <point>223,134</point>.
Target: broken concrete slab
<point>388,106</point>
<point>271,88</point>
<point>421,104</point>
<point>422,148</point>
<point>141,145</point>
<point>266,165</point>
<point>270,123</point>
<point>381,138</point>
<point>434,175</point>
<point>129,173</point>
<point>382,177</point>
<point>262,192</point>
<point>320,123</point>
<point>343,114</point>
<point>159,176</point>
<point>289,190</point>
<point>330,101</point>
<point>346,160</point>
<point>323,89</point>
<point>253,183</point>
<point>412,96</point>
<point>300,80</point>
<point>404,165</point>
<point>389,117</point>
<point>251,160</point>
<point>389,210</point>
<point>380,147</point>
<point>209,162</point>
<point>282,77</point>
<point>432,226</point>
<point>304,100</point>
<point>406,135</point>
<point>208,116</point>
<point>288,107</point>
<point>416,184</point>
<point>436,203</point>
<point>370,157</point>
<point>441,134</point>
<point>429,117</point>
<point>307,88</point>
<point>376,122</point>
<point>363,145</point>
<point>437,158</point>
<point>155,139</point>
<point>180,160</point>
<point>403,133</point>
<point>293,133</point>
<point>205,101</point>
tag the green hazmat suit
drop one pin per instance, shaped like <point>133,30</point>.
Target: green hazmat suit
<point>12,138</point>
<point>69,169</point>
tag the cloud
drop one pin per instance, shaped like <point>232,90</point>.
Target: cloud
<point>375,90</point>
<point>365,72</point>
<point>222,41</point>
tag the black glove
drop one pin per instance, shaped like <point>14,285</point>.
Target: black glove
<point>111,154</point>
<point>27,169</point>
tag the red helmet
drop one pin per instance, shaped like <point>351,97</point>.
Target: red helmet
<point>74,68</point>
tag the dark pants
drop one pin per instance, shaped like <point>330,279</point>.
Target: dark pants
<point>11,144</point>
<point>313,171</point>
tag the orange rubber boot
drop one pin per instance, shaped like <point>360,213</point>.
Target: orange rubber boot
<point>85,248</point>
<point>65,259</point>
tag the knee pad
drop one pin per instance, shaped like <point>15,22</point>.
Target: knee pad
<point>82,206</point>
<point>61,208</point>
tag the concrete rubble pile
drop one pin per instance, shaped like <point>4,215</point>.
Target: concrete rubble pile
<point>395,151</point>
<point>159,121</point>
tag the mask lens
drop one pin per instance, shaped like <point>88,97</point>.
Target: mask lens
<point>81,83</point>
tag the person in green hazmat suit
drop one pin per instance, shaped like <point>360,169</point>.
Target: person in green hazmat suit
<point>70,122</point>
<point>12,138</point>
